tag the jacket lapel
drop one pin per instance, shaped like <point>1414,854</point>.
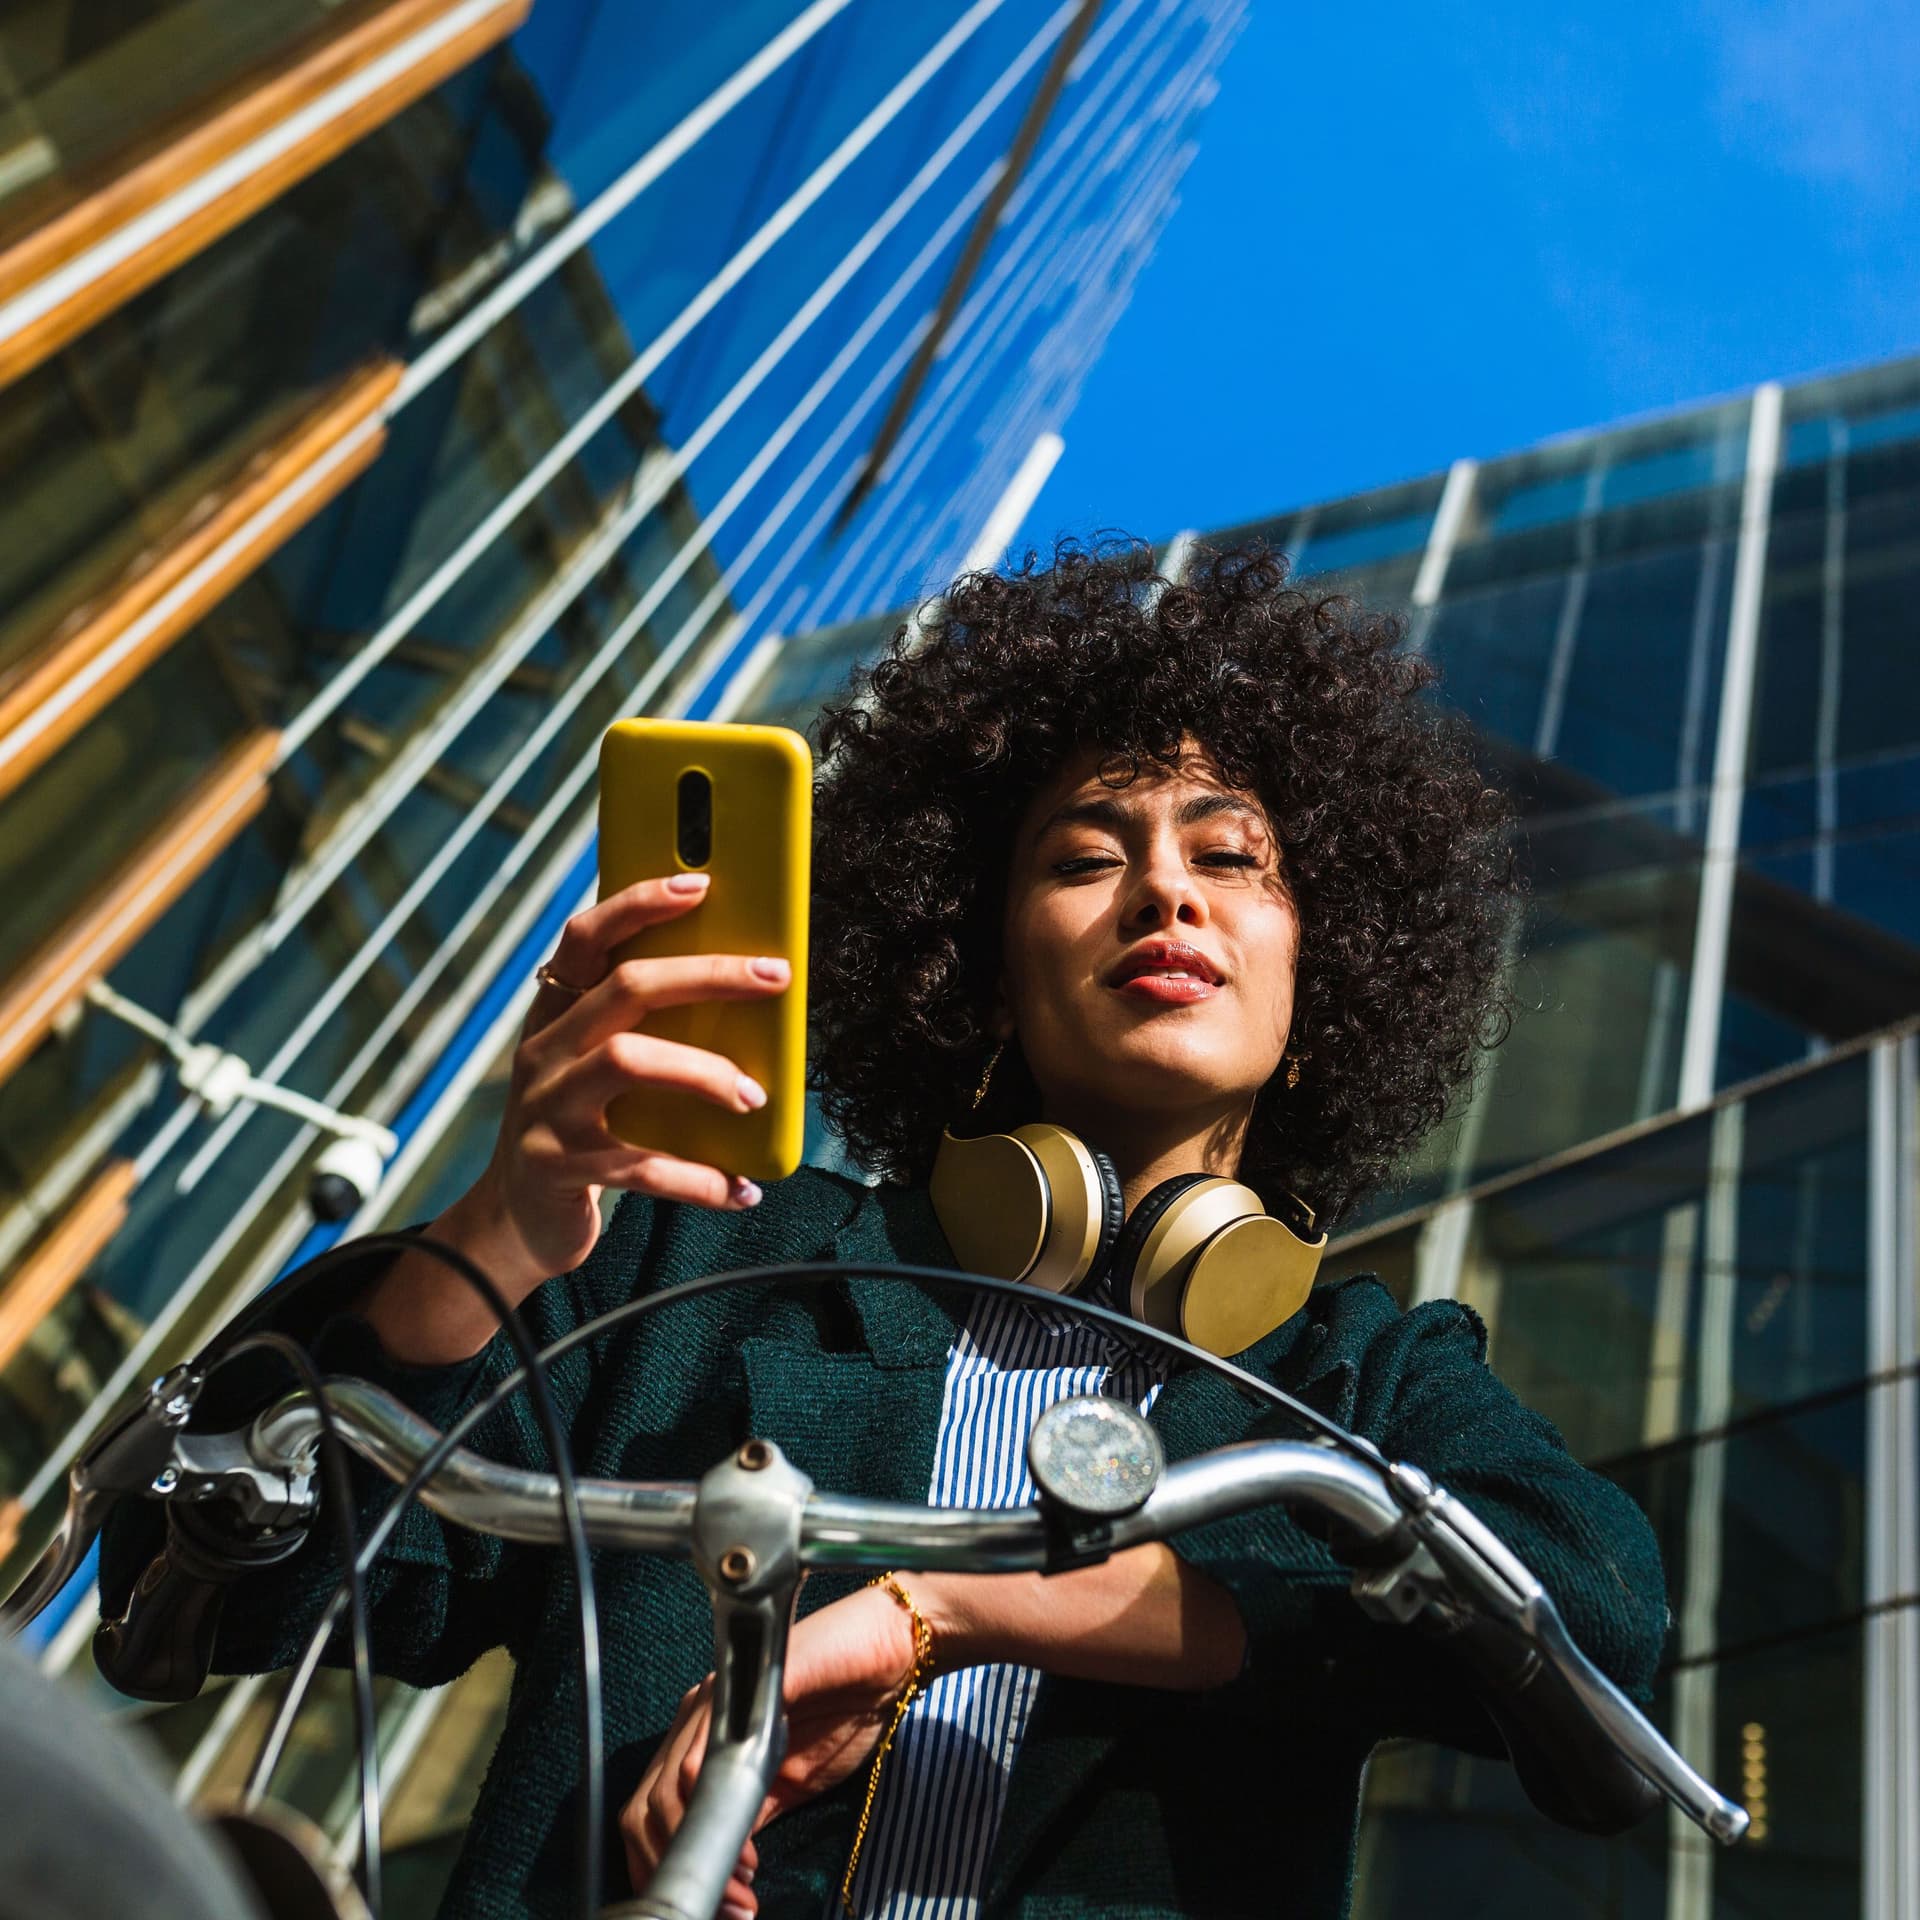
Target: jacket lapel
<point>1198,1409</point>
<point>863,1420</point>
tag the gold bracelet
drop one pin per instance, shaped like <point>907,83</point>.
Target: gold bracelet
<point>922,1666</point>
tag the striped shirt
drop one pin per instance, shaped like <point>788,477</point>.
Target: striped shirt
<point>941,1791</point>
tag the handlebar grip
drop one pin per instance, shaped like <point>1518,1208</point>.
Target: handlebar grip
<point>161,1648</point>
<point>1569,1768</point>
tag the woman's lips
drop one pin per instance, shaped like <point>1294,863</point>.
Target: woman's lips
<point>1169,989</point>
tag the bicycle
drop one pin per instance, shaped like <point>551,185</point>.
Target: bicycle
<point>246,1497</point>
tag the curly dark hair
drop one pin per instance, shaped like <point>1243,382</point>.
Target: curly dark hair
<point>1395,849</point>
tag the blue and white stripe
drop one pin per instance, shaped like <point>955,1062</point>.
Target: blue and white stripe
<point>942,1788</point>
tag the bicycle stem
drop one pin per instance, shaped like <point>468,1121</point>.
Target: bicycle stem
<point>746,1545</point>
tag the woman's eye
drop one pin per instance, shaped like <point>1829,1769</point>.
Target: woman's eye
<point>1223,858</point>
<point>1084,863</point>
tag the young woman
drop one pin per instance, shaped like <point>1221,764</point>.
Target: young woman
<point>1190,870</point>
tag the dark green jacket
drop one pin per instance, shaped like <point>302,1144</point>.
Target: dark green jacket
<point>1123,1801</point>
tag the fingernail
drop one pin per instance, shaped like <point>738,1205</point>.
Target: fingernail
<point>769,967</point>
<point>688,883</point>
<point>744,1873</point>
<point>745,1193</point>
<point>735,1911</point>
<point>751,1091</point>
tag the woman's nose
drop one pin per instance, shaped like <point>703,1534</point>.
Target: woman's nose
<point>1165,896</point>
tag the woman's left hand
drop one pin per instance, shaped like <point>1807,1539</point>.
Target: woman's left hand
<point>846,1666</point>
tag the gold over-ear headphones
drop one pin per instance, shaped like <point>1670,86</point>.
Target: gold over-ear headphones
<point>1200,1257</point>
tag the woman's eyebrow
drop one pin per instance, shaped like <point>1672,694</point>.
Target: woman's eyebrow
<point>1088,812</point>
<point>1093,811</point>
<point>1207,806</point>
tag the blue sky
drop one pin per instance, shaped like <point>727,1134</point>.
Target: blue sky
<point>1417,231</point>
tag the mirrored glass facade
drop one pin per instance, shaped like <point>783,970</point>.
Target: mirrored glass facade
<point>544,383</point>
<point>1704,1310</point>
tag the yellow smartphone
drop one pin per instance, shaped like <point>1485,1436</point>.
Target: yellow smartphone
<point>735,802</point>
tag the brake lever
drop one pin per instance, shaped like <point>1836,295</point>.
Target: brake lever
<point>1459,1563</point>
<point>134,1455</point>
<point>227,1515</point>
<point>746,1544</point>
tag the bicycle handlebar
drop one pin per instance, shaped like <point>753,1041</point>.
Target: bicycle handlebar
<point>754,1524</point>
<point>836,1530</point>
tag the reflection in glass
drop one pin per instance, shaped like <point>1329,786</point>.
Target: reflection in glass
<point>814,668</point>
<point>130,430</point>
<point>1594,536</point>
<point>1591,473</point>
<point>1337,550</point>
<point>1493,649</point>
<point>429,1804</point>
<point>1857,409</point>
<point>1843,563</point>
<point>1450,1837</point>
<point>1829,857</point>
<point>74,823</point>
<point>1792,1527</point>
<point>84,86</point>
<point>1599,1284</point>
<point>57,1375</point>
<point>372,1026</point>
<point>182,385</point>
<point>460,1154</point>
<point>1688,1307</point>
<point>1371,541</point>
<point>1602,983</point>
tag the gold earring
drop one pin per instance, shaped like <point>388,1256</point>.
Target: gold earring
<point>986,1079</point>
<point>1293,1071</point>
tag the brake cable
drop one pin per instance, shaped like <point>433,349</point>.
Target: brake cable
<point>531,1374</point>
<point>333,1464</point>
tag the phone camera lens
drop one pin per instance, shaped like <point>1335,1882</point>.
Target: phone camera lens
<point>694,829</point>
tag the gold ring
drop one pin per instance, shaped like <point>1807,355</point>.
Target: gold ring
<point>545,975</point>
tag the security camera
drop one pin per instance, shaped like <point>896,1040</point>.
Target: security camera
<point>345,1177</point>
<point>348,1172</point>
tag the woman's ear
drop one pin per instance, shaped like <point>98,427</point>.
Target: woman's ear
<point>1000,1020</point>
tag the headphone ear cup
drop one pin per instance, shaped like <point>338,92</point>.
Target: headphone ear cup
<point>1144,1218</point>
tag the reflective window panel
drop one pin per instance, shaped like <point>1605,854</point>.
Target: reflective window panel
<point>1689,1309</point>
<point>1370,545</point>
<point>85,87</point>
<point>812,669</point>
<point>1739,1236</point>
<point>1450,1837</point>
<point>1828,841</point>
<point>124,436</point>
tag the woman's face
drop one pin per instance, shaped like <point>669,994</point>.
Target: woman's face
<point>1149,943</point>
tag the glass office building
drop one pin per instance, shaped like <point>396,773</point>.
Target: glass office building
<point>1683,1194</point>
<point>393,393</point>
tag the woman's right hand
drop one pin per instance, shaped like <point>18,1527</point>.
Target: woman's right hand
<point>535,1212</point>
<point>555,1154</point>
